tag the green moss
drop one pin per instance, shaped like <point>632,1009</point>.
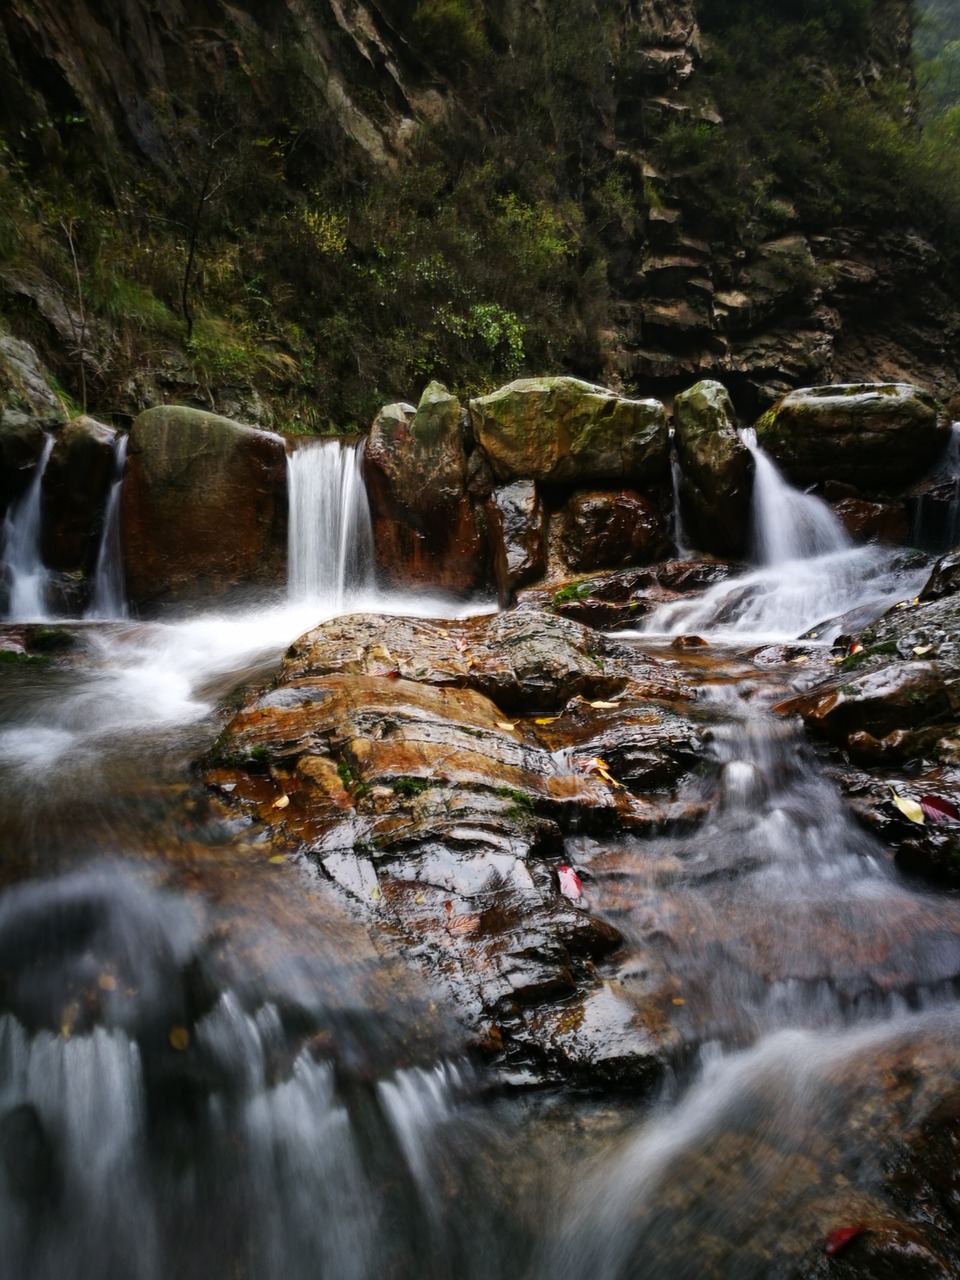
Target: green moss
<point>52,639</point>
<point>410,786</point>
<point>11,658</point>
<point>572,592</point>
<point>887,649</point>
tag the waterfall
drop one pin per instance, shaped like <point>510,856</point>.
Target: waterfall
<point>809,575</point>
<point>676,516</point>
<point>109,596</point>
<point>788,524</point>
<point>22,561</point>
<point>331,536</point>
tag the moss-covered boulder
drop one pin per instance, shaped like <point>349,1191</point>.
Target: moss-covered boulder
<point>872,435</point>
<point>427,529</point>
<point>716,483</point>
<point>204,507</point>
<point>73,495</point>
<point>563,431</point>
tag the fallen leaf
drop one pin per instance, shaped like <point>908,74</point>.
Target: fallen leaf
<point>796,661</point>
<point>107,982</point>
<point>603,706</point>
<point>920,649</point>
<point>678,1000</point>
<point>546,719</point>
<point>840,1238</point>
<point>505,724</point>
<point>179,1037</point>
<point>463,924</point>
<point>939,810</point>
<point>570,885</point>
<point>461,644</point>
<point>277,859</point>
<point>909,808</point>
<point>281,803</point>
<point>856,647</point>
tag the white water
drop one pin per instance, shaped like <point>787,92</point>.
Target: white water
<point>109,599</point>
<point>22,561</point>
<point>331,538</point>
<point>810,576</point>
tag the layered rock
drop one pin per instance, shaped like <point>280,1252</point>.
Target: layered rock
<point>874,436</point>
<point>420,766</point>
<point>716,470</point>
<point>204,507</point>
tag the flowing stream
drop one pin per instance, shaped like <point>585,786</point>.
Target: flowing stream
<point>334,1129</point>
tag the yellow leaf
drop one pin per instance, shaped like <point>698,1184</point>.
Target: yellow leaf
<point>546,719</point>
<point>375,893</point>
<point>603,706</point>
<point>920,649</point>
<point>909,808</point>
<point>179,1038</point>
<point>107,982</point>
<point>505,724</point>
<point>679,1000</point>
<point>281,803</point>
<point>277,859</point>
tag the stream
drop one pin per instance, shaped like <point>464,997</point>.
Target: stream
<point>336,1128</point>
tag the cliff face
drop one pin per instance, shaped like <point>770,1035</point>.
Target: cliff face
<point>612,137</point>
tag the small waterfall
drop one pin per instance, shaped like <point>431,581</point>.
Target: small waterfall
<point>936,517</point>
<point>788,524</point>
<point>22,561</point>
<point>676,518</point>
<point>808,575</point>
<point>331,536</point>
<point>109,595</point>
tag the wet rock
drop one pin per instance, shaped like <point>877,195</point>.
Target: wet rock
<point>944,578</point>
<point>203,507</point>
<point>29,409</point>
<point>560,430</point>
<point>393,752</point>
<point>427,529</point>
<point>873,521</point>
<point>73,495</point>
<point>882,435</point>
<point>717,470</point>
<point>604,529</point>
<point>517,522</point>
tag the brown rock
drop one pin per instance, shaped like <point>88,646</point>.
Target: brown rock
<point>607,530</point>
<point>203,507</point>
<point>517,523</point>
<point>73,495</point>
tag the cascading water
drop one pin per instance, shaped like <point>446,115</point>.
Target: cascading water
<point>108,599</point>
<point>810,576</point>
<point>331,538</point>
<point>22,561</point>
<point>205,1061</point>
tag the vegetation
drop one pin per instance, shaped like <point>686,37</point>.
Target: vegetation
<point>260,248</point>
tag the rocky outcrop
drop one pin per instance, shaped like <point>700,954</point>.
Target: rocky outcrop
<point>563,431</point>
<point>203,508</point>
<point>517,523</point>
<point>431,771</point>
<point>73,495</point>
<point>610,529</point>
<point>716,470</point>
<point>28,410</point>
<point>881,436</point>
<point>427,529</point>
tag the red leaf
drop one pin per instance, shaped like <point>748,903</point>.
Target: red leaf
<point>840,1238</point>
<point>570,885</point>
<point>939,810</point>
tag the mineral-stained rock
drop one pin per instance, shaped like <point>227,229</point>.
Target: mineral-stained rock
<point>428,530</point>
<point>203,507</point>
<point>391,751</point>
<point>717,470</point>
<point>74,494</point>
<point>560,430</point>
<point>882,435</point>
<point>606,529</point>
<point>517,523</point>
<point>873,521</point>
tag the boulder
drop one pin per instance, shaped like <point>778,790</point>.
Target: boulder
<point>872,435</point>
<point>73,495</point>
<point>563,431</point>
<point>716,469</point>
<point>873,521</point>
<point>428,532</point>
<point>604,529</point>
<point>204,507</point>
<point>517,525</point>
